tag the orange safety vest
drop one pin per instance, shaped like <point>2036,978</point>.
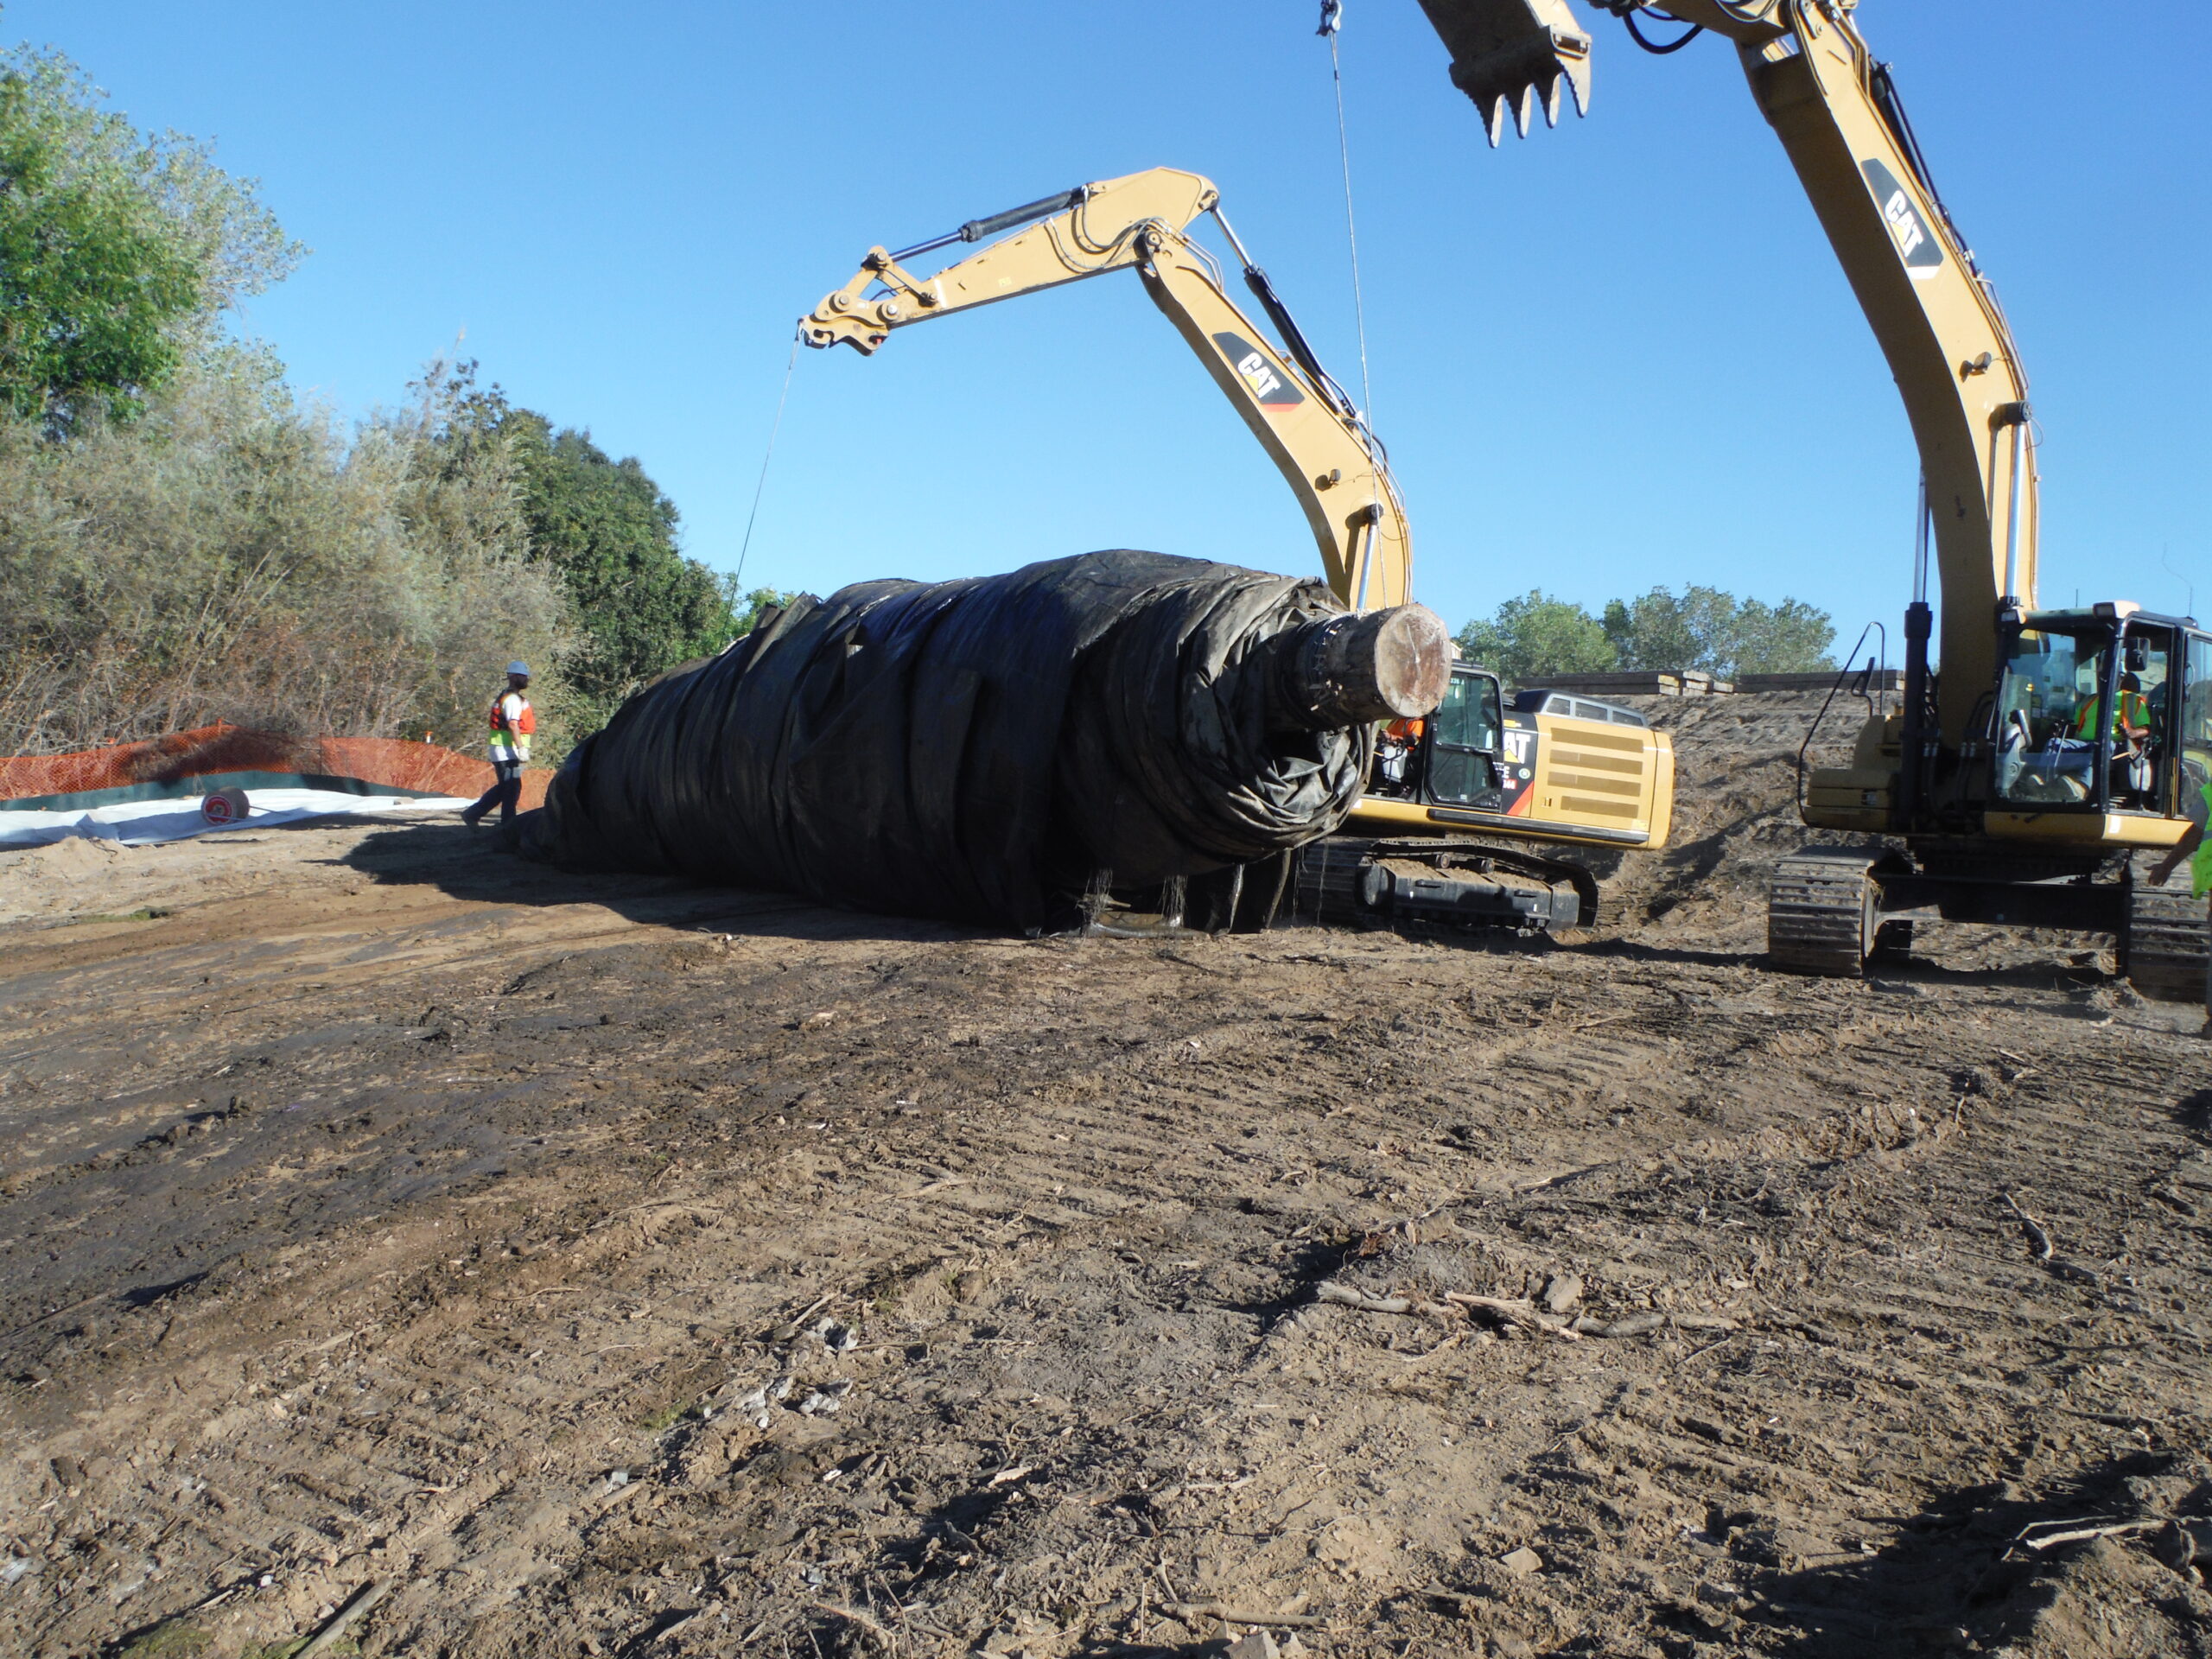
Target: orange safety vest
<point>523,726</point>
<point>1405,731</point>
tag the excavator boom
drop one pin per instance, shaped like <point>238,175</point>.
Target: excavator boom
<point>1301,418</point>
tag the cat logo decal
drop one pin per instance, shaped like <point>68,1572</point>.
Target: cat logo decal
<point>1253,369</point>
<point>1909,228</point>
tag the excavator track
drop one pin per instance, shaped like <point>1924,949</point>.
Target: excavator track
<point>1348,881</point>
<point>2166,949</point>
<point>1820,917</point>
<point>1325,884</point>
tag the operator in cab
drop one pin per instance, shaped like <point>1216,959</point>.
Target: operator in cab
<point>2131,717</point>
<point>1397,756</point>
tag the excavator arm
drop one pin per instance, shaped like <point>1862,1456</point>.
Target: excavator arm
<point>1308,425</point>
<point>1933,312</point>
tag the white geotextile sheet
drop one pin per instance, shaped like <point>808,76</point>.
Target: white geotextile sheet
<point>140,823</point>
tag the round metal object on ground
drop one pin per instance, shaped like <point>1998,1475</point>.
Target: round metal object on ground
<point>224,806</point>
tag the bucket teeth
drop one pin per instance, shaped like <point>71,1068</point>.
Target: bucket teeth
<point>1552,89</point>
<point>1508,56</point>
<point>1493,119</point>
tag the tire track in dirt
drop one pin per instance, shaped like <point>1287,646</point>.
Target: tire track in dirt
<point>497,1315</point>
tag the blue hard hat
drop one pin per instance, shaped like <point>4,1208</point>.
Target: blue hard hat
<point>522,669</point>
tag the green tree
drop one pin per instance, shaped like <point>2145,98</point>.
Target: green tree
<point>744,608</point>
<point>232,556</point>
<point>1536,635</point>
<point>118,252</point>
<point>1791,638</point>
<point>610,533</point>
<point>1705,628</point>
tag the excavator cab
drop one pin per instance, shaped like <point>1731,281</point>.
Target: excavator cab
<point>1456,756</point>
<point>1467,742</point>
<point>2102,710</point>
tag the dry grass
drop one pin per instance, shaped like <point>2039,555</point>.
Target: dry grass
<point>235,556</point>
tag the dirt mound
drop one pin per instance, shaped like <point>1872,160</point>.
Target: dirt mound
<point>1736,761</point>
<point>63,860</point>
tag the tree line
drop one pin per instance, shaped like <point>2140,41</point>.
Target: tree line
<point>1704,628</point>
<point>182,539</point>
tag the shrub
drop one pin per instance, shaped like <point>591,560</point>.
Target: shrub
<point>231,555</point>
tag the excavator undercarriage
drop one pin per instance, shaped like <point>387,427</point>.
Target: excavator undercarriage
<point>1350,881</point>
<point>1835,912</point>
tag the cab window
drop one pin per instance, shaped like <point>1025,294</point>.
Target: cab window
<point>1470,716</point>
<point>2196,700</point>
<point>1467,730</point>
<point>2195,724</point>
<point>2049,679</point>
<point>2064,700</point>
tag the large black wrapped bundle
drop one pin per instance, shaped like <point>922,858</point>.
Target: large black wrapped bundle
<point>991,750</point>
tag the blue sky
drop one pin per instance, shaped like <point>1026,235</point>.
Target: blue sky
<point>1612,356</point>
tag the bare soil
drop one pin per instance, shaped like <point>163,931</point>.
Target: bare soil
<point>607,1266</point>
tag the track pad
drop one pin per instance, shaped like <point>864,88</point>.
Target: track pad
<point>1511,56</point>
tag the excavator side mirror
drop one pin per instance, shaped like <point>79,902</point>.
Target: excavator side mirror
<point>2138,653</point>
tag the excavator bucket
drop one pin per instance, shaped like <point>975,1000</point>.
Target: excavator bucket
<point>1511,56</point>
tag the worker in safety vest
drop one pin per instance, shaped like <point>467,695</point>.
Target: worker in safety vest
<point>2131,720</point>
<point>512,726</point>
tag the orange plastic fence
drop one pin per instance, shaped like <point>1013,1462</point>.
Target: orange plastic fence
<point>423,768</point>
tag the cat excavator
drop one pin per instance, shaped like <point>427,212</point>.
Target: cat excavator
<point>2049,767</point>
<point>1473,815</point>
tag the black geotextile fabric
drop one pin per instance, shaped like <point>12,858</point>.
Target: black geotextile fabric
<point>974,751</point>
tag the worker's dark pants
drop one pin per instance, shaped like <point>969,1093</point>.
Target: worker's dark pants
<point>505,793</point>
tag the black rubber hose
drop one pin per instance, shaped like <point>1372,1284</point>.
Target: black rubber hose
<point>1660,48</point>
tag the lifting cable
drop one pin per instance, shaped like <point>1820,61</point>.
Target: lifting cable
<point>738,580</point>
<point>1332,20</point>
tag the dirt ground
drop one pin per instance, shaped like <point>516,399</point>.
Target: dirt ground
<point>544,1265</point>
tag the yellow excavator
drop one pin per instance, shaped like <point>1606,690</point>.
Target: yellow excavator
<point>1458,804</point>
<point>2050,769</point>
